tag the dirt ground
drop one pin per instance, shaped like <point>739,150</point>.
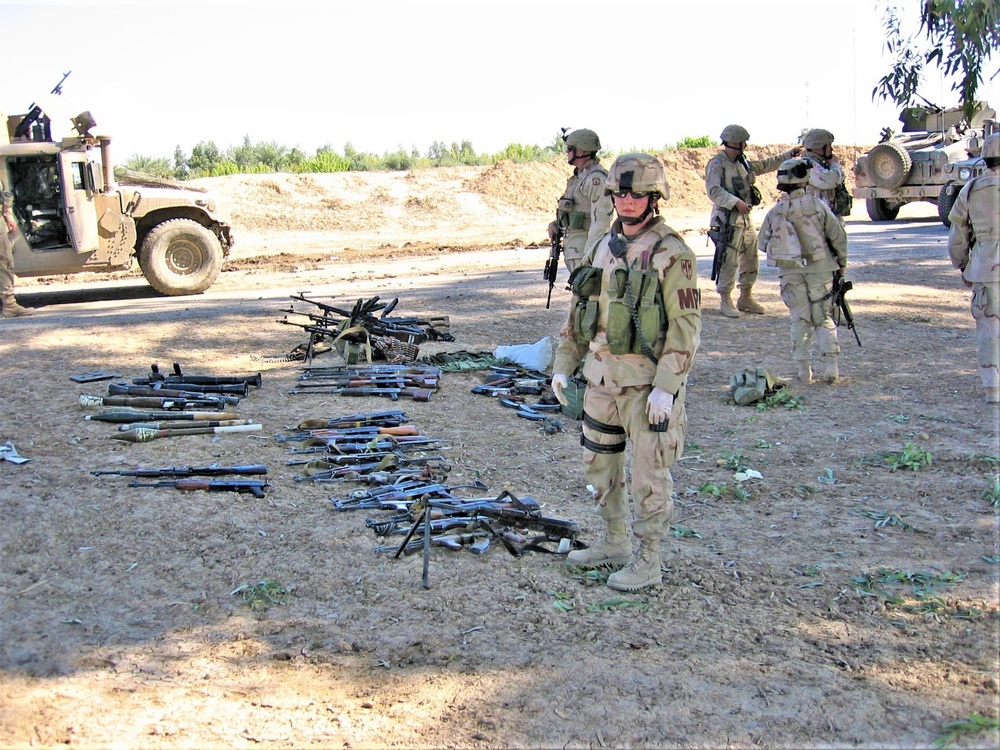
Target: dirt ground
<point>841,599</point>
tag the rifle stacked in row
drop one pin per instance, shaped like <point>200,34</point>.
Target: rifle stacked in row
<point>414,381</point>
<point>367,331</point>
<point>181,478</point>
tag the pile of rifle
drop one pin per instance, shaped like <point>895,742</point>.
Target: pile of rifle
<point>368,328</point>
<point>513,385</point>
<point>414,381</point>
<point>173,405</point>
<point>374,448</point>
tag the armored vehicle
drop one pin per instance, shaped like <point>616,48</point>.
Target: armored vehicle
<point>914,165</point>
<point>72,216</point>
<point>962,172</point>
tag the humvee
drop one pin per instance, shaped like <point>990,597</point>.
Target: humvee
<point>962,172</point>
<point>913,166</point>
<point>72,216</point>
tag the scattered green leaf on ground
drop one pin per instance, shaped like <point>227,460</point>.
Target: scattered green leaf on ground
<point>975,723</point>
<point>912,457</point>
<point>261,595</point>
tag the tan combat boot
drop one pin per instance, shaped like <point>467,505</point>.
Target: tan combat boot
<point>746,303</point>
<point>805,375</point>
<point>13,310</point>
<point>643,571</point>
<point>726,305</point>
<point>993,395</point>
<point>831,372</point>
<point>614,552</point>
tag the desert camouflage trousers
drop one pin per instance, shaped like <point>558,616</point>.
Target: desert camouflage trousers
<point>6,268</point>
<point>741,260</point>
<point>807,297</point>
<point>574,248</point>
<point>986,313</point>
<point>652,455</point>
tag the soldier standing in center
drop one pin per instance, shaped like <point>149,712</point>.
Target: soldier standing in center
<point>584,212</point>
<point>635,323</point>
<point>826,176</point>
<point>729,180</point>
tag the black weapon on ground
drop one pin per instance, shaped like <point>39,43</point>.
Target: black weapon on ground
<point>362,371</point>
<point>386,381</point>
<point>721,235</point>
<point>380,418</point>
<point>551,271</point>
<point>417,394</point>
<point>177,376</point>
<point>120,389</point>
<point>122,416</point>
<point>841,308</point>
<point>253,487</point>
<point>373,315</point>
<point>212,470</point>
<point>228,390</point>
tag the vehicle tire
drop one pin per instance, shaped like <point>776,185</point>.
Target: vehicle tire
<point>180,256</point>
<point>946,199</point>
<point>889,165</point>
<point>879,209</point>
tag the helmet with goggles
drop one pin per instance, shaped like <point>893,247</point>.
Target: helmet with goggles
<point>638,174</point>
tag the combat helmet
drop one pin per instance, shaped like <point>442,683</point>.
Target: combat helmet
<point>817,138</point>
<point>735,134</point>
<point>584,140</point>
<point>640,173</point>
<point>991,150</point>
<point>793,172</point>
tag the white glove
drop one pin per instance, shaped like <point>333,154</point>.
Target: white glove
<point>560,381</point>
<point>659,404</point>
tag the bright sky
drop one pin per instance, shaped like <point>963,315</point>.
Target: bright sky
<point>381,74</point>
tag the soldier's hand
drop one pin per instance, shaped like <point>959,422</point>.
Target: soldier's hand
<point>742,207</point>
<point>553,231</point>
<point>795,150</point>
<point>11,225</point>
<point>559,382</point>
<point>659,404</point>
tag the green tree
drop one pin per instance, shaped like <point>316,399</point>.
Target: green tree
<point>959,38</point>
<point>204,158</point>
<point>181,171</point>
<point>156,167</point>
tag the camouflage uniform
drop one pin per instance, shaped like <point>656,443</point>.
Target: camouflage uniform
<point>8,306</point>
<point>974,247</point>
<point>727,181</point>
<point>584,211</point>
<point>825,175</point>
<point>808,244</point>
<point>618,385</point>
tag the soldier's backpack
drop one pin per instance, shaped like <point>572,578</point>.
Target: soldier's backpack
<point>753,385</point>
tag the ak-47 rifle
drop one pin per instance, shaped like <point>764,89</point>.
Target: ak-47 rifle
<point>552,264</point>
<point>841,308</point>
<point>212,470</point>
<point>721,235</point>
<point>254,487</point>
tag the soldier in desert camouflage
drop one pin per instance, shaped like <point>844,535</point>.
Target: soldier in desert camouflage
<point>805,240</point>
<point>8,306</point>
<point>635,323</point>
<point>584,212</point>
<point>974,247</point>
<point>729,181</point>
<point>826,176</point>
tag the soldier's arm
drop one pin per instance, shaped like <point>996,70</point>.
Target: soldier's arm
<point>771,164</point>
<point>764,235</point>
<point>960,234</point>
<point>835,235</point>
<point>682,304</point>
<point>825,179</point>
<point>601,211</point>
<point>714,180</point>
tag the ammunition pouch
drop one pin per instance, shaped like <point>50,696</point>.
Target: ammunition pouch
<point>585,281</point>
<point>623,336</point>
<point>577,220</point>
<point>573,393</point>
<point>748,193</point>
<point>843,203</point>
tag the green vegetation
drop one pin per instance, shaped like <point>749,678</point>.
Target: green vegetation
<point>974,724</point>
<point>782,398</point>
<point>912,457</point>
<point>261,595</point>
<point>208,160</point>
<point>884,519</point>
<point>922,598</point>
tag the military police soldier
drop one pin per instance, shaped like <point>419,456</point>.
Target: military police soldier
<point>974,247</point>
<point>635,323</point>
<point>808,244</point>
<point>729,180</point>
<point>8,306</point>
<point>584,212</point>
<point>826,176</point>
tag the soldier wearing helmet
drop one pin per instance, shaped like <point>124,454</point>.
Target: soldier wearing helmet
<point>826,176</point>
<point>635,325</point>
<point>584,211</point>
<point>974,247</point>
<point>8,305</point>
<point>729,180</point>
<point>808,244</point>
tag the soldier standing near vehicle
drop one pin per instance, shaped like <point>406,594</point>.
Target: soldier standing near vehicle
<point>826,176</point>
<point>8,306</point>
<point>974,247</point>
<point>808,244</point>
<point>635,323</point>
<point>729,180</point>
<point>584,212</point>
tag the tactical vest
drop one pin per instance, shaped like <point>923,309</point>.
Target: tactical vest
<point>636,315</point>
<point>788,247</point>
<point>571,215</point>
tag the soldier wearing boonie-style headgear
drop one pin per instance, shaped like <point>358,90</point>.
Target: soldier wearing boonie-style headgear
<point>808,244</point>
<point>974,247</point>
<point>584,211</point>
<point>729,181</point>
<point>635,324</point>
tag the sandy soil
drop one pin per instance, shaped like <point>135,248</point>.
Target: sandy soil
<point>832,602</point>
